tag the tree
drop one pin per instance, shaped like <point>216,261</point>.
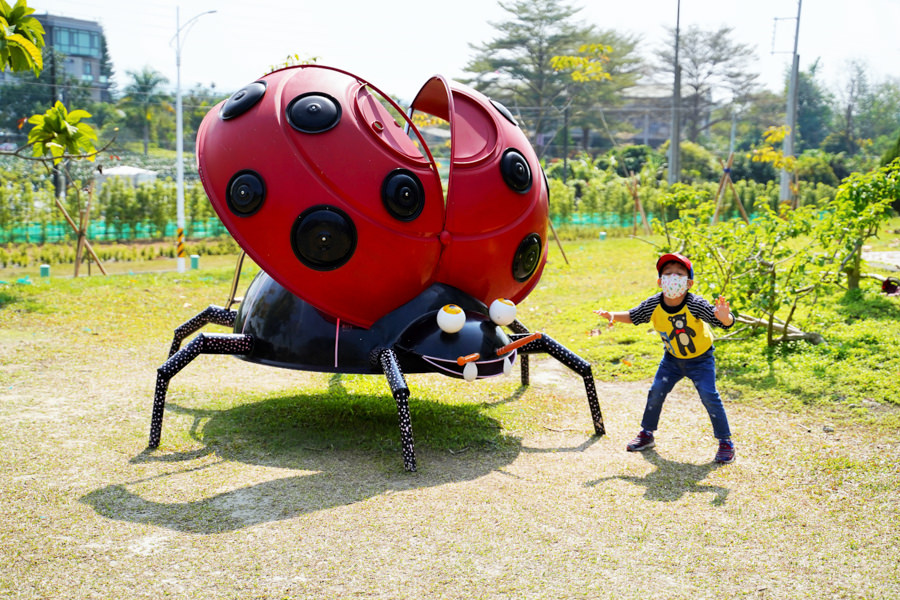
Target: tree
<point>107,72</point>
<point>766,267</point>
<point>751,118</point>
<point>21,38</point>
<point>106,117</point>
<point>622,67</point>
<point>21,41</point>
<point>813,110</point>
<point>515,68</point>
<point>145,98</point>
<point>890,156</point>
<point>23,95</point>
<point>712,66</point>
<point>59,134</point>
<point>862,204</point>
<point>771,153</point>
<point>196,102</point>
<point>878,118</point>
<point>845,137</point>
<point>28,93</point>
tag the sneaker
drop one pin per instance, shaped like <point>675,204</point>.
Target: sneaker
<point>725,454</point>
<point>643,441</point>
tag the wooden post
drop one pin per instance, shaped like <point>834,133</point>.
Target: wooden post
<point>737,200</point>
<point>76,229</point>
<point>638,207</point>
<point>79,246</point>
<point>558,243</point>
<point>82,230</point>
<point>724,181</point>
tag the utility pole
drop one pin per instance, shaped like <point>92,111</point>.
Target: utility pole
<point>56,93</point>
<point>675,142</point>
<point>733,130</point>
<point>788,148</point>
<point>179,134</point>
<point>566,141</point>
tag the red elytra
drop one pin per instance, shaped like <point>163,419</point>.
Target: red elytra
<point>331,189</point>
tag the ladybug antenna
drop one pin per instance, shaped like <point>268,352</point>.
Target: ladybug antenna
<point>234,282</point>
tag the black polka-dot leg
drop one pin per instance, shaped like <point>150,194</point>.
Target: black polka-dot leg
<point>576,363</point>
<point>523,366</point>
<point>204,343</point>
<point>213,314</point>
<point>517,327</point>
<point>395,378</point>
<point>159,405</point>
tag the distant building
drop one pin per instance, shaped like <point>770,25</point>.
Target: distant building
<point>643,118</point>
<point>82,44</point>
<point>648,110</point>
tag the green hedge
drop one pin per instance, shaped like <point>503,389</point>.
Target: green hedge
<point>31,255</point>
<point>119,211</point>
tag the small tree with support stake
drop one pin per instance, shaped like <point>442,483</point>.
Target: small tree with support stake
<point>58,135</point>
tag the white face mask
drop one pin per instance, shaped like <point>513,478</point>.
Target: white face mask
<point>673,286</point>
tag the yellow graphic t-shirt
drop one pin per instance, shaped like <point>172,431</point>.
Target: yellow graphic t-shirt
<point>684,329</point>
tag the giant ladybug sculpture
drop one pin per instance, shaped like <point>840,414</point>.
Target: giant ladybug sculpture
<point>368,265</point>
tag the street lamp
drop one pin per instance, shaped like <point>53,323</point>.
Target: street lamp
<point>179,130</point>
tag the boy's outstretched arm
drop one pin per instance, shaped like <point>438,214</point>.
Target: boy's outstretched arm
<point>621,317</point>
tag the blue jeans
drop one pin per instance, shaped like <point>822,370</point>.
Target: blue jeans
<point>700,370</point>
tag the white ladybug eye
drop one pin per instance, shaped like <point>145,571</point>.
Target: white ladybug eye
<point>502,311</point>
<point>451,318</point>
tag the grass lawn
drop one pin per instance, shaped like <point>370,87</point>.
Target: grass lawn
<point>283,484</point>
<point>856,367</point>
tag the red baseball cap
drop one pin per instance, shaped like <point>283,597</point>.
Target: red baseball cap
<point>674,257</point>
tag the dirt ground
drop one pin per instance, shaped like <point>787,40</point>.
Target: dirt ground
<point>809,510</point>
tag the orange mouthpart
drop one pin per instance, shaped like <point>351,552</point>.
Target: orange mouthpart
<point>519,343</point>
<point>467,359</point>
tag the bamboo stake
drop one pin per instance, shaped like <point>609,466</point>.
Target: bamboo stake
<point>82,231</point>
<point>558,243</point>
<point>74,227</point>
<point>638,207</point>
<point>724,181</point>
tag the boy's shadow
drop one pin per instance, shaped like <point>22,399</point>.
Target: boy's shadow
<point>671,480</point>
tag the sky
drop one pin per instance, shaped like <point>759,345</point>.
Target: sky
<point>397,46</point>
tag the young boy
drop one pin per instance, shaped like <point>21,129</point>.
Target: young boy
<point>682,320</point>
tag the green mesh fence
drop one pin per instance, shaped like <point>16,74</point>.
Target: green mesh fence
<point>37,233</point>
<point>610,220</point>
<point>41,233</point>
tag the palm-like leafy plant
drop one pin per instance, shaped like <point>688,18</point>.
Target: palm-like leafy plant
<point>145,95</point>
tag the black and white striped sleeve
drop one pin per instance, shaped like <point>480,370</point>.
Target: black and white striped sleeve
<point>642,313</point>
<point>702,309</point>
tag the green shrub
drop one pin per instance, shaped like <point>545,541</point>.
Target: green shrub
<point>813,167</point>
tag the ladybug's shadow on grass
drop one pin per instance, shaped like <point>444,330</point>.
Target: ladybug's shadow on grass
<point>344,448</point>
